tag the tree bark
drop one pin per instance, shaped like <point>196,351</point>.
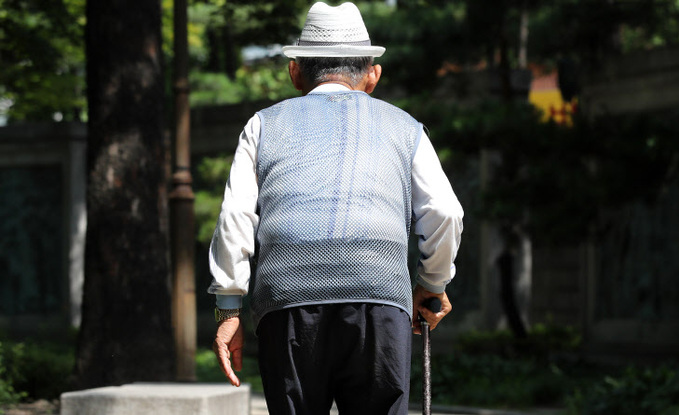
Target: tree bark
<point>510,237</point>
<point>126,331</point>
<point>508,293</point>
<point>523,36</point>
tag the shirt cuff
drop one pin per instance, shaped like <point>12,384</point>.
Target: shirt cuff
<point>229,302</point>
<point>436,289</point>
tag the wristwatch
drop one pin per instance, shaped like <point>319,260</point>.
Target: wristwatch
<point>222,314</point>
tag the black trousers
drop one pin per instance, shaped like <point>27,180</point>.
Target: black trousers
<point>355,354</point>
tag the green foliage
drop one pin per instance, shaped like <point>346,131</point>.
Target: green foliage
<point>543,342</point>
<point>266,81</point>
<point>495,369</point>
<point>491,381</point>
<point>545,179</point>
<point>262,22</point>
<point>41,44</point>
<point>43,54</point>
<point>212,173</point>
<point>420,35</point>
<point>549,178</point>
<point>550,338</point>
<point>208,370</point>
<point>38,370</point>
<point>648,391</point>
<point>200,16</point>
<point>418,40</point>
<point>42,48</point>
<point>219,29</point>
<point>8,395</point>
<point>590,30</point>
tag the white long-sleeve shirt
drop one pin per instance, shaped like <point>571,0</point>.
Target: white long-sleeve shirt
<point>437,214</point>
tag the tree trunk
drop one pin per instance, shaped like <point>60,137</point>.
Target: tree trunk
<point>508,295</point>
<point>511,238</point>
<point>126,331</point>
<point>523,36</point>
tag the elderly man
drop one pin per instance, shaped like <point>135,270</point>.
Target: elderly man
<point>322,193</point>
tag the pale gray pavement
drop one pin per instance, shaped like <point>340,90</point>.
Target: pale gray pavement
<point>258,407</point>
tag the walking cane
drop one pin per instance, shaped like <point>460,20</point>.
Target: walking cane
<point>433,304</point>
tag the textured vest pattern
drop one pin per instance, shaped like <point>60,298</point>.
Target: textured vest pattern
<point>334,176</point>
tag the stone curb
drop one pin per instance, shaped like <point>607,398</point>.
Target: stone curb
<point>159,398</point>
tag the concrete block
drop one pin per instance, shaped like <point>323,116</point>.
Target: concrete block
<point>159,398</point>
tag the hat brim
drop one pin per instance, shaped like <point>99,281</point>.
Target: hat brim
<point>334,51</point>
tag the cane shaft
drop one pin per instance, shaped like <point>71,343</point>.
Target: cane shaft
<point>426,370</point>
<point>434,305</point>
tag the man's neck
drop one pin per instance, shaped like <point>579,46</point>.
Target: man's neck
<point>343,83</point>
<point>335,80</point>
<point>330,88</point>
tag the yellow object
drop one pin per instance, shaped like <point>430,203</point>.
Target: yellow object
<point>553,107</point>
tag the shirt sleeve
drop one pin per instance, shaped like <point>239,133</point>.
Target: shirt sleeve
<point>233,242</point>
<point>438,219</point>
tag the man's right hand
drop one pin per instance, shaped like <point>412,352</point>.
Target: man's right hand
<point>420,296</point>
<point>228,346</point>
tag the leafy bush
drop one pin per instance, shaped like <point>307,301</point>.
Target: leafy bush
<point>38,370</point>
<point>496,369</point>
<point>492,381</point>
<point>648,391</point>
<point>544,341</point>
<point>8,394</point>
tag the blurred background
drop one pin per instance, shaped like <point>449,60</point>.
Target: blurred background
<point>556,122</point>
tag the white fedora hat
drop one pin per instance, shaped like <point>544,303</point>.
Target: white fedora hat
<point>333,32</point>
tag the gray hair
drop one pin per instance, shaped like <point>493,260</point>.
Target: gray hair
<point>319,69</point>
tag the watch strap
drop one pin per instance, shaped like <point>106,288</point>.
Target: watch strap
<point>223,314</point>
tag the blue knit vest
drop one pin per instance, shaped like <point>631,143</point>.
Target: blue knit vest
<point>334,176</point>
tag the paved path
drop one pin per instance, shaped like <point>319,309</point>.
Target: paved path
<point>258,407</point>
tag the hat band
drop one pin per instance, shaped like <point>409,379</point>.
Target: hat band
<point>301,42</point>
